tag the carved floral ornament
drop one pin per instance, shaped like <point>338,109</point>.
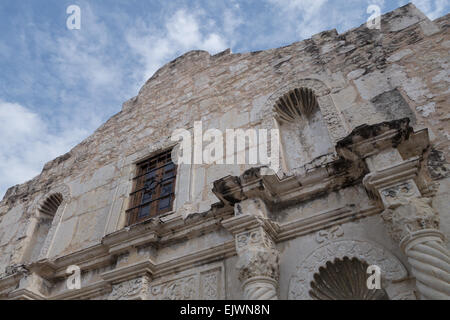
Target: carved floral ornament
<point>255,237</point>
<point>204,284</point>
<point>127,290</point>
<point>300,284</point>
<point>258,256</point>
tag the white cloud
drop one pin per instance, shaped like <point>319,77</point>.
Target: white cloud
<point>27,144</point>
<point>182,32</point>
<point>432,8</point>
<point>304,15</point>
<point>307,6</point>
<point>232,20</point>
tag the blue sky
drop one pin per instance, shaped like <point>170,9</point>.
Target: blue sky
<point>58,85</point>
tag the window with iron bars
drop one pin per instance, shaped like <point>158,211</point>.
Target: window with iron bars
<point>153,188</point>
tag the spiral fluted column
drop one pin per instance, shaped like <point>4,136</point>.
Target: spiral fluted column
<point>415,225</point>
<point>260,288</point>
<point>430,264</point>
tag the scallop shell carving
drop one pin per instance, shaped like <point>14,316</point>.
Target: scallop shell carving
<point>51,204</point>
<point>344,279</point>
<point>296,105</point>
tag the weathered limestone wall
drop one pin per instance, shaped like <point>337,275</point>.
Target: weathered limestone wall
<point>361,76</point>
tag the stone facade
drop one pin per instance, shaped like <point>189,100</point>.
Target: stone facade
<point>364,182</point>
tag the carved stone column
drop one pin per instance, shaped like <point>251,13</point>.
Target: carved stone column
<point>413,223</point>
<point>258,261</point>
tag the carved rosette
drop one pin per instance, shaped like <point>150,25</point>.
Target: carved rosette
<point>413,223</point>
<point>258,265</point>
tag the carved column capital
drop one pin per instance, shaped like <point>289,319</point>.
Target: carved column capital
<point>258,257</point>
<point>406,216</point>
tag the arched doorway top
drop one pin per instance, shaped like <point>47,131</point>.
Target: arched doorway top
<point>372,254</point>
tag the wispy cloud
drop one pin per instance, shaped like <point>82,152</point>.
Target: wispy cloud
<point>432,8</point>
<point>27,143</point>
<point>181,32</point>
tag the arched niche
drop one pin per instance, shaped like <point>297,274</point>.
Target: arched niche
<point>47,216</point>
<point>310,124</point>
<point>393,272</point>
<point>344,279</point>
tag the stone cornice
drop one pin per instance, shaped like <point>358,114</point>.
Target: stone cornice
<point>284,231</point>
<point>9,283</point>
<point>291,189</point>
<point>389,176</point>
<point>87,292</point>
<point>141,268</point>
<point>87,259</point>
<point>246,222</point>
<point>24,294</point>
<point>321,220</point>
<point>214,253</point>
<point>367,140</point>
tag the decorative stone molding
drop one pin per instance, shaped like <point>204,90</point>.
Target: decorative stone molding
<point>329,234</point>
<point>392,270</point>
<point>205,283</point>
<point>31,287</point>
<point>210,286</point>
<point>134,289</point>
<point>179,289</point>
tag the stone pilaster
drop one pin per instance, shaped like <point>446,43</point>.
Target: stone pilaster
<point>258,257</point>
<point>412,222</point>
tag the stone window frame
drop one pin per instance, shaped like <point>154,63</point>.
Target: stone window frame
<point>117,218</point>
<point>136,203</point>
